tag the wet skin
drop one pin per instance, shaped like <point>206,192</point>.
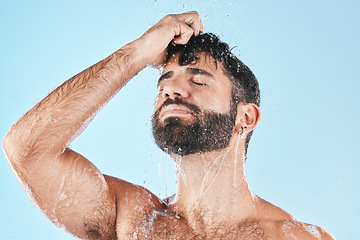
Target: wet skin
<point>196,83</point>
<point>213,199</point>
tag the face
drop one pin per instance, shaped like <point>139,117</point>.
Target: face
<point>193,111</point>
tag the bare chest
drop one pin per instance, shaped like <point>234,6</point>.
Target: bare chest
<point>166,225</point>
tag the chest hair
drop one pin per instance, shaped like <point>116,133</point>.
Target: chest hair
<point>165,225</point>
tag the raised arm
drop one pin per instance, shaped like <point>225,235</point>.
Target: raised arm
<point>68,188</point>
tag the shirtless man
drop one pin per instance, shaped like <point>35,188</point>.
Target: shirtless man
<point>202,118</point>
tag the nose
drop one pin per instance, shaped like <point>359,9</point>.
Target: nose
<point>175,88</point>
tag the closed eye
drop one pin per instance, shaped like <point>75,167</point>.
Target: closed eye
<point>199,76</point>
<point>198,83</point>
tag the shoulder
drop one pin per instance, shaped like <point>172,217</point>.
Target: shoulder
<point>127,194</point>
<point>298,230</point>
<point>284,226</point>
<point>133,203</point>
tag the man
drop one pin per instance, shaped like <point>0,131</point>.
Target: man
<point>206,109</point>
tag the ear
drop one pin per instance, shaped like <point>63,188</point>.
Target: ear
<point>247,117</point>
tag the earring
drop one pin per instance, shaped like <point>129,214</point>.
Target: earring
<point>242,130</point>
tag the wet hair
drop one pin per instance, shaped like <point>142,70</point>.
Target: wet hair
<point>245,85</point>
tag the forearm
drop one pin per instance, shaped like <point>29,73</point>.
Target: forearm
<point>50,126</point>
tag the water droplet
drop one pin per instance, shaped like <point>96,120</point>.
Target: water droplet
<point>159,173</point>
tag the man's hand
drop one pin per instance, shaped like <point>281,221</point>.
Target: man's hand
<point>174,28</point>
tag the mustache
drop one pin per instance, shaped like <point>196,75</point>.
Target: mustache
<point>178,101</point>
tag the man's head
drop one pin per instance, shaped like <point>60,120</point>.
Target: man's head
<point>203,129</point>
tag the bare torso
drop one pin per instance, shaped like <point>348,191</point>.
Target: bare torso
<point>148,217</point>
<point>166,224</point>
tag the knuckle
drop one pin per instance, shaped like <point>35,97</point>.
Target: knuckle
<point>196,13</point>
<point>170,16</point>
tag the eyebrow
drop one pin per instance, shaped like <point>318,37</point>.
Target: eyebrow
<point>165,76</point>
<point>196,71</point>
<point>193,71</point>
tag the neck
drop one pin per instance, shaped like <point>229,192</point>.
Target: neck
<point>212,188</point>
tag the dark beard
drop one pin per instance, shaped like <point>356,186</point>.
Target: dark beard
<point>209,132</point>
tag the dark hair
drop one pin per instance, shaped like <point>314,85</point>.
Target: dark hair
<point>245,85</point>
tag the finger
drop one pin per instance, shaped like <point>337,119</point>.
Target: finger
<point>193,20</point>
<point>201,26</point>
<point>183,34</point>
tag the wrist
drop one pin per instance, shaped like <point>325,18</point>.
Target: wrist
<point>139,54</point>
<point>130,58</point>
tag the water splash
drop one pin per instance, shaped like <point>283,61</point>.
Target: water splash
<point>236,159</point>
<point>312,230</point>
<point>63,196</point>
<point>209,178</point>
<point>166,175</point>
<point>159,172</point>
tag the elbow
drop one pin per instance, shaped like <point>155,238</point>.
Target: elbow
<point>8,147</point>
<point>14,153</point>
<point>14,149</point>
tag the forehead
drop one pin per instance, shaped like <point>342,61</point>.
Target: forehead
<point>204,61</point>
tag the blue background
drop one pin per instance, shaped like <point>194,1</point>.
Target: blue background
<point>304,155</point>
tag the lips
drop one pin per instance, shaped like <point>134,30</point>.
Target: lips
<point>175,109</point>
